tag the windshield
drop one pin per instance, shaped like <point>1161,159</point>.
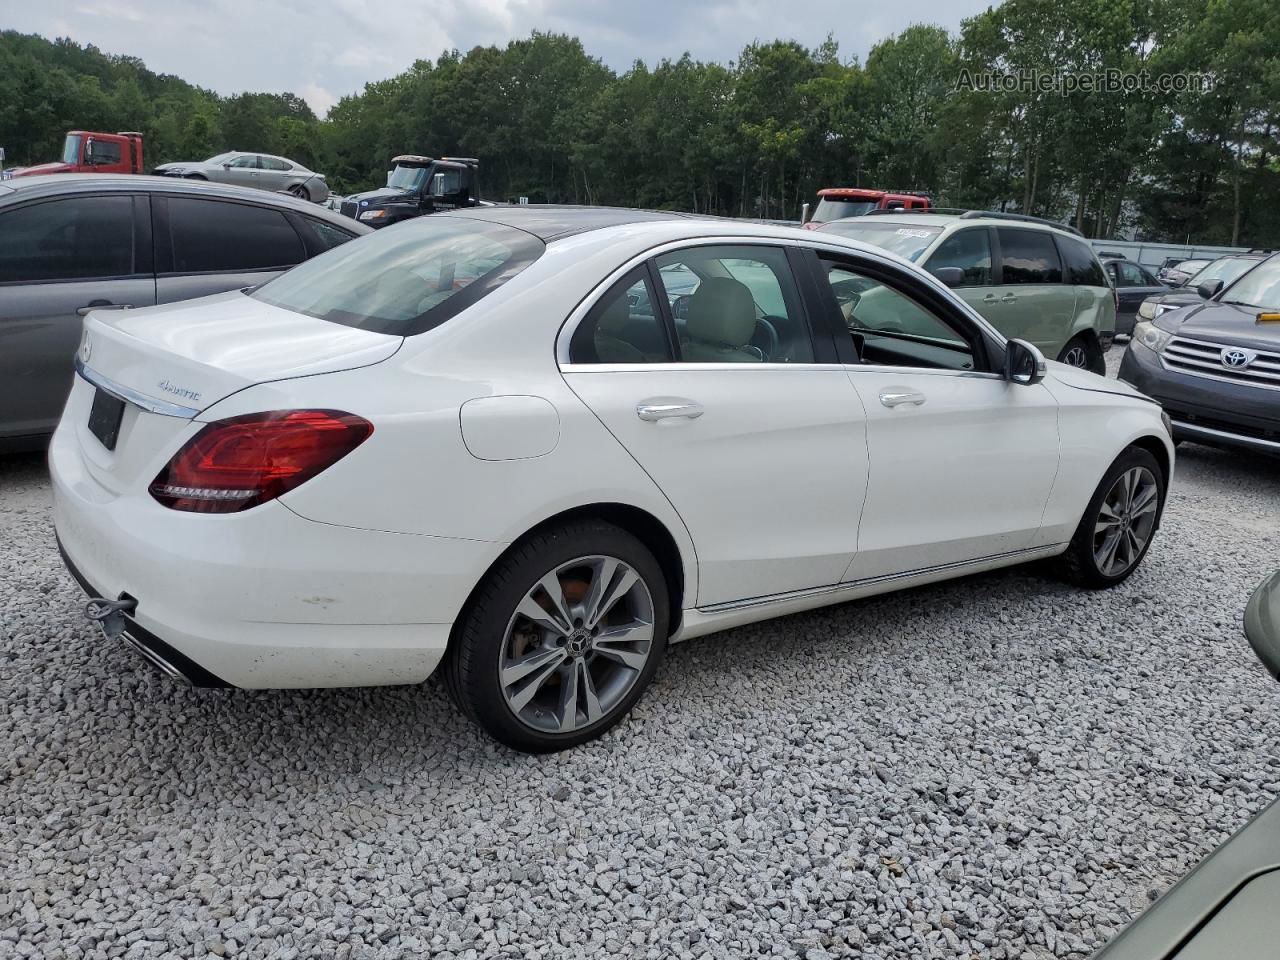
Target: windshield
<point>406,279</point>
<point>221,157</point>
<point>828,210</point>
<point>1260,287</point>
<point>71,149</point>
<point>1225,269</point>
<point>408,178</point>
<point>905,241</point>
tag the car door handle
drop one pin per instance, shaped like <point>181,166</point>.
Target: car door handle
<point>989,298</point>
<point>102,305</point>
<point>654,410</point>
<point>898,398</point>
<point>1008,298</point>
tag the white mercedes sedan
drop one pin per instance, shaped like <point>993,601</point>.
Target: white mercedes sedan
<point>532,446</point>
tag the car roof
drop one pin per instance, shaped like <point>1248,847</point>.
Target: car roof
<point>549,222</point>
<point>69,184</point>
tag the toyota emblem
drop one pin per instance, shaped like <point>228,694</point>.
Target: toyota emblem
<point>1235,358</point>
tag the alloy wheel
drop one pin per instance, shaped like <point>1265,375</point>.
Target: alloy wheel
<point>1077,357</point>
<point>1126,520</point>
<point>576,644</point>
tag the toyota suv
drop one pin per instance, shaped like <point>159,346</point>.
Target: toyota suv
<point>1032,279</point>
<point>1215,366</point>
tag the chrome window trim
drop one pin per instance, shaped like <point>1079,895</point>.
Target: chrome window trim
<point>129,395</point>
<point>671,365</point>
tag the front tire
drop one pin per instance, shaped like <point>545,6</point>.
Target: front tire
<point>562,637</point>
<point>1119,524</point>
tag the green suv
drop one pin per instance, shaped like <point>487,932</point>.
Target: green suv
<point>1032,279</point>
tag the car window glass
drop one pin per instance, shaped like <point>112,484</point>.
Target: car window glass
<point>273,163</point>
<point>890,328</point>
<point>1130,276</point>
<point>328,235</point>
<point>104,152</point>
<point>735,305</point>
<point>1148,278</point>
<point>214,235</point>
<point>1028,256</point>
<point>451,181</point>
<point>1081,264</point>
<point>78,238</point>
<point>245,161</point>
<point>623,326</point>
<point>970,250</point>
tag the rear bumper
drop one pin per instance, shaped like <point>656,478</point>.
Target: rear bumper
<point>266,598</point>
<point>1203,410</point>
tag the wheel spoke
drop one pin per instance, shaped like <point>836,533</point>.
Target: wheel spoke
<point>590,700</point>
<point>611,590</point>
<point>532,610</point>
<point>1107,553</point>
<point>569,698</point>
<point>517,670</point>
<point>520,698</point>
<point>1145,501</point>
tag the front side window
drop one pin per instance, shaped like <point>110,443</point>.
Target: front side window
<point>734,304</point>
<point>79,238</point>
<point>1130,276</point>
<point>970,250</point>
<point>1028,256</point>
<point>219,236</point>
<point>409,279</point>
<point>328,235</point>
<point>245,162</point>
<point>906,240</point>
<point>102,153</point>
<point>625,326</point>
<point>450,182</point>
<point>889,328</point>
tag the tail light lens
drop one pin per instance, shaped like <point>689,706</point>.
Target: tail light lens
<point>238,463</point>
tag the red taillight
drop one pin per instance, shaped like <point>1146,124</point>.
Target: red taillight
<point>238,463</point>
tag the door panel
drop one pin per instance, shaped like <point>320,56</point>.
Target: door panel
<point>769,478</point>
<point>963,474</point>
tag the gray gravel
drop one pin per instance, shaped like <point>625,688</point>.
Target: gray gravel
<point>994,767</point>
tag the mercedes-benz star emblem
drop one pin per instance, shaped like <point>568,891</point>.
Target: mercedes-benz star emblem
<point>1235,358</point>
<point>85,350</point>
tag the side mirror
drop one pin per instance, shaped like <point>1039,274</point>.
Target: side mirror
<point>1209,289</point>
<point>1262,623</point>
<point>389,174</point>
<point>1023,363</point>
<point>437,185</point>
<point>951,276</point>
<point>804,214</point>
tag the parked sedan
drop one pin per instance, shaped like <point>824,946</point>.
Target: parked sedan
<point>1180,275</point>
<point>1215,367</point>
<point>1224,270</point>
<point>72,243</point>
<point>1134,284</point>
<point>1226,907</point>
<point>260,170</point>
<point>483,441</point>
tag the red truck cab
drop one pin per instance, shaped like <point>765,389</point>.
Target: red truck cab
<point>87,152</point>
<point>836,203</point>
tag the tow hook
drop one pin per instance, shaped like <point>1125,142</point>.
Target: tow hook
<point>109,614</point>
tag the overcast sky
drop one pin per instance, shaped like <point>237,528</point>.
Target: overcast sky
<point>323,49</point>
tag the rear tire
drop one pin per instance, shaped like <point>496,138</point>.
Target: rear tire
<point>1082,352</point>
<point>1118,524</point>
<point>542,672</point>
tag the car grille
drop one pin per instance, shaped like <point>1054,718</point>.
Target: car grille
<point>349,208</point>
<point>1203,359</point>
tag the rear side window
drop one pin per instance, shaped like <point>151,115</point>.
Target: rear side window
<point>79,238</point>
<point>272,163</point>
<point>409,279</point>
<point>1081,266</point>
<point>625,326</point>
<point>214,236</point>
<point>328,235</point>
<point>970,250</point>
<point>1029,256</point>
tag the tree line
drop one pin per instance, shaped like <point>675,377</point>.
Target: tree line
<point>927,110</point>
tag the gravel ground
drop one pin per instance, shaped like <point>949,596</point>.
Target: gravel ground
<point>994,767</point>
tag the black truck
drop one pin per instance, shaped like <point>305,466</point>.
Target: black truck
<point>416,186</point>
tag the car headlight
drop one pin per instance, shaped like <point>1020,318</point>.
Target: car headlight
<point>1147,310</point>
<point>373,215</point>
<point>1151,336</point>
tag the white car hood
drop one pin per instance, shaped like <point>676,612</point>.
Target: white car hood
<point>1078,379</point>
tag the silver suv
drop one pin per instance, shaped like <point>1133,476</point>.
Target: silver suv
<point>1030,278</point>
<point>72,243</point>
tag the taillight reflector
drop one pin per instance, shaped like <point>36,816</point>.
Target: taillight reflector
<point>238,463</point>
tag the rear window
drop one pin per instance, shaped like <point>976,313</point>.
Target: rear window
<point>408,278</point>
<point>906,240</point>
<point>1028,256</point>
